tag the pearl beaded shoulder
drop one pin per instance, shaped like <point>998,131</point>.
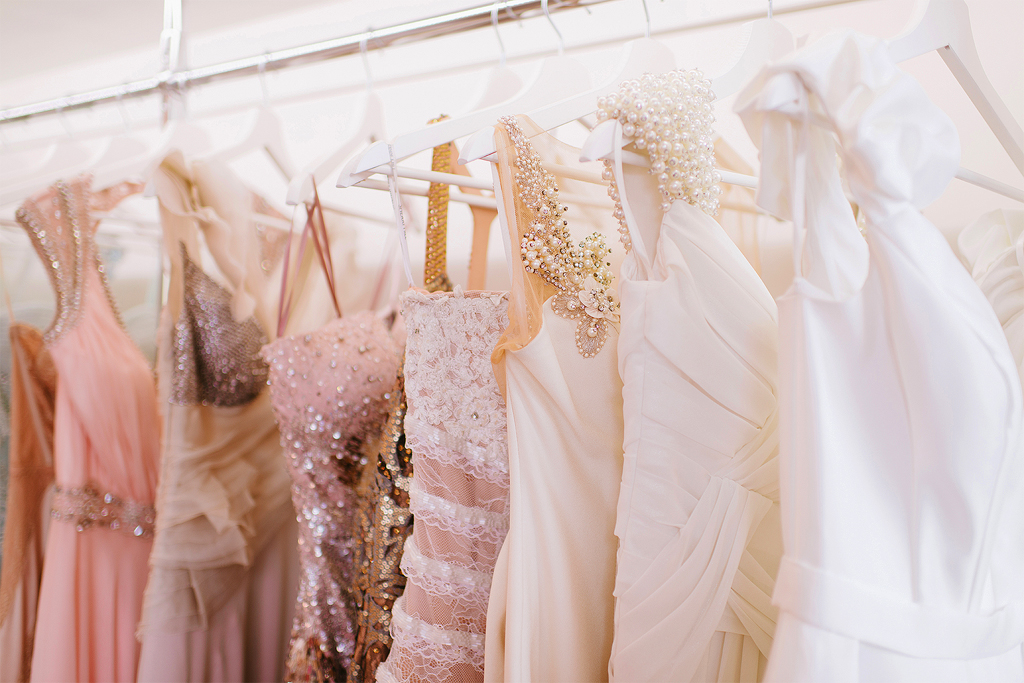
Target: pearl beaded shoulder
<point>581,272</point>
<point>670,116</point>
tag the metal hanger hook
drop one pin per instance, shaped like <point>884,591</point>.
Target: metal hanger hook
<point>261,71</point>
<point>123,110</point>
<point>494,23</point>
<point>64,122</point>
<point>364,53</point>
<point>547,14</point>
<point>647,18</point>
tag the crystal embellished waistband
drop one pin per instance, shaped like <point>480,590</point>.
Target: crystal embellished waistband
<point>86,507</point>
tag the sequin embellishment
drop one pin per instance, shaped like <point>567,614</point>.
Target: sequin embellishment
<point>329,390</point>
<point>581,271</point>
<point>87,507</point>
<point>216,358</point>
<point>386,522</point>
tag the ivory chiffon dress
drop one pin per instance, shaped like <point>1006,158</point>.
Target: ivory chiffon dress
<point>106,456</point>
<point>993,247</point>
<point>221,591</point>
<point>697,520</point>
<point>550,612</point>
<point>901,416</point>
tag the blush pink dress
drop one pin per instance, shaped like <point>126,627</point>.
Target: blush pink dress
<point>106,455</point>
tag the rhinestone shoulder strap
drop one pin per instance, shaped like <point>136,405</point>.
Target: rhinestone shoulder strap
<point>580,272</point>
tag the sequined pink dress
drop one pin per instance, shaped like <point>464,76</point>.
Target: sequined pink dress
<point>330,389</point>
<point>106,455</point>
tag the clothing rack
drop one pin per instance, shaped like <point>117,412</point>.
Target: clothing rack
<point>171,82</point>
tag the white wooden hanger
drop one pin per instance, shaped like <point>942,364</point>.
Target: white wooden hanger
<point>370,128</point>
<point>600,144</point>
<point>266,133</point>
<point>640,56</point>
<point>945,26</point>
<point>64,157</point>
<point>768,40</point>
<point>558,76</point>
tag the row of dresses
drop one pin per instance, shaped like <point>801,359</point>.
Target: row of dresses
<point>687,479</point>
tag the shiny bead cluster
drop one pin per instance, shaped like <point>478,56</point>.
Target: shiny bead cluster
<point>546,246</point>
<point>670,116</point>
<point>216,358</point>
<point>547,250</point>
<point>87,507</point>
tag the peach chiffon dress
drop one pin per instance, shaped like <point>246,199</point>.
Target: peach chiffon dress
<point>106,454</point>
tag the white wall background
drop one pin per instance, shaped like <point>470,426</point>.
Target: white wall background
<point>49,48</point>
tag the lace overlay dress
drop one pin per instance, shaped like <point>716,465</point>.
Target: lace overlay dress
<point>455,428</point>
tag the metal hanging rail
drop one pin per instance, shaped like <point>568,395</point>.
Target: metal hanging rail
<point>170,81</point>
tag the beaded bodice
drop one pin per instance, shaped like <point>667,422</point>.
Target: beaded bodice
<point>61,231</point>
<point>581,272</point>
<point>216,358</point>
<point>330,391</point>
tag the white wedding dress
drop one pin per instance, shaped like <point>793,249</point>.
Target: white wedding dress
<point>698,518</point>
<point>902,438</point>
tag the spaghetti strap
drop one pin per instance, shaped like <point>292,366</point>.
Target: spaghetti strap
<point>396,205</point>
<point>321,244</point>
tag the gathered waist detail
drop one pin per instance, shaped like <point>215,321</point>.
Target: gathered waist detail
<point>88,507</point>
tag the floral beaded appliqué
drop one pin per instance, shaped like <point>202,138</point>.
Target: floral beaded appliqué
<point>580,271</point>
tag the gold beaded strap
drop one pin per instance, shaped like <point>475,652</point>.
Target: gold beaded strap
<point>86,507</point>
<point>435,267</point>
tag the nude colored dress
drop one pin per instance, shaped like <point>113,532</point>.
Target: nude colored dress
<point>106,458</point>
<point>220,595</point>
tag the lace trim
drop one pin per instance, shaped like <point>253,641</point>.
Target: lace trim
<point>483,462</point>
<point>449,515</point>
<point>405,625</point>
<point>449,578</point>
<point>86,507</point>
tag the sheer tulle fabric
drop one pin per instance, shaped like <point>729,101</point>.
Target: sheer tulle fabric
<point>223,507</point>
<point>107,435</point>
<point>901,415</point>
<point>697,521</point>
<point>455,427</point>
